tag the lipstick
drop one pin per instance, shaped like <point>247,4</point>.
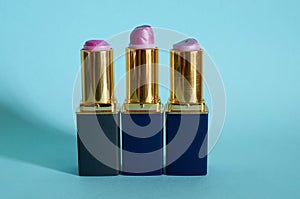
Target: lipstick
<point>97,117</point>
<point>142,114</point>
<point>187,113</point>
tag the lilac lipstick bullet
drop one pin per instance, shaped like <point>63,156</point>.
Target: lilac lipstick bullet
<point>187,45</point>
<point>142,37</point>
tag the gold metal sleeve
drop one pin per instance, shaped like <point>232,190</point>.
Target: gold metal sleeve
<point>186,70</point>
<point>97,75</point>
<point>142,80</point>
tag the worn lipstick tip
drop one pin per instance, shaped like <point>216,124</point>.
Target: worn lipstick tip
<point>142,37</point>
<point>187,45</point>
<point>96,45</point>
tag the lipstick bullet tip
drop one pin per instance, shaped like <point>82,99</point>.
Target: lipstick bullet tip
<point>189,44</point>
<point>96,45</point>
<point>142,37</point>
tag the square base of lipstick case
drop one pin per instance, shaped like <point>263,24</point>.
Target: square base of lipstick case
<point>186,124</point>
<point>135,130</point>
<point>88,125</point>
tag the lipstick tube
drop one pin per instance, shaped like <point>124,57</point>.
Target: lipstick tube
<point>97,117</point>
<point>187,114</point>
<point>142,114</point>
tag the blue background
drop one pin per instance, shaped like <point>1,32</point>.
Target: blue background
<point>255,45</point>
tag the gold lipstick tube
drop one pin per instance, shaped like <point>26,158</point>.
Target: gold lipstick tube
<point>98,119</point>
<point>142,81</point>
<point>97,81</point>
<point>186,81</point>
<point>187,114</point>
